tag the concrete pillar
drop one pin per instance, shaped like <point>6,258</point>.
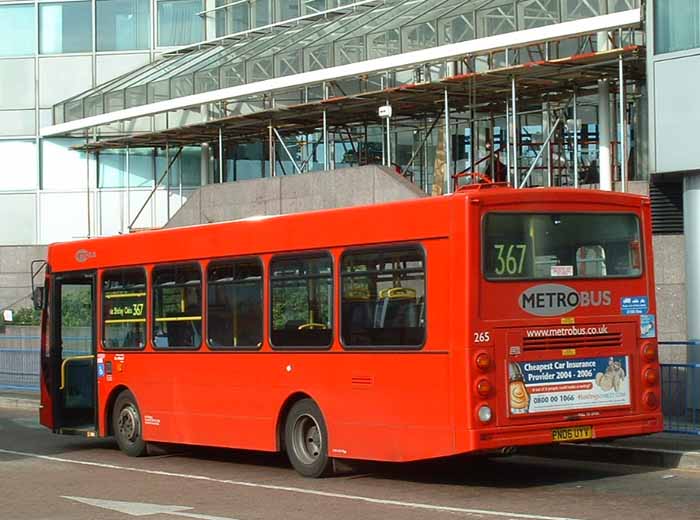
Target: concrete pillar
<point>691,223</point>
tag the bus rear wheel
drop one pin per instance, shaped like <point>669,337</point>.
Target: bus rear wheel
<point>306,439</point>
<point>126,425</point>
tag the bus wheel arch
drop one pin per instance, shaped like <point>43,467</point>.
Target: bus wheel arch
<point>127,425</point>
<point>306,439</point>
<point>109,408</point>
<point>282,416</point>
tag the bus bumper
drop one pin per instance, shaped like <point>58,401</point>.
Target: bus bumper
<point>543,433</point>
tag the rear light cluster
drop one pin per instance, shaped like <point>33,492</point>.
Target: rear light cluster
<point>650,374</point>
<point>483,386</point>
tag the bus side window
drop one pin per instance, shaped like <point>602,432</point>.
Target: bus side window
<point>383,297</point>
<point>235,304</point>
<point>177,306</point>
<point>301,297</point>
<point>124,309</point>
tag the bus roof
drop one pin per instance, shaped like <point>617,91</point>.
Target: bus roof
<point>410,220</point>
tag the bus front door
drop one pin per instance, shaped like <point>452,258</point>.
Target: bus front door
<point>70,376</point>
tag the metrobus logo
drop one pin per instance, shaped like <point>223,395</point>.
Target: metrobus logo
<point>555,299</point>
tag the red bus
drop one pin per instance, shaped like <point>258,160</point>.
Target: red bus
<point>488,319</point>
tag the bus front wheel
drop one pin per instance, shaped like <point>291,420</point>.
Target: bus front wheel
<point>306,439</point>
<point>126,424</point>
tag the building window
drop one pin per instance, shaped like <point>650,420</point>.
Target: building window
<point>63,168</point>
<point>302,301</point>
<point>177,306</point>
<point>261,12</point>
<point>676,25</point>
<point>179,23</point>
<point>383,298</point>
<point>123,25</point>
<point>232,19</point>
<point>17,34</point>
<point>235,304</point>
<point>286,10</point>
<point>19,169</point>
<point>112,166</point>
<point>65,27</point>
<point>186,168</point>
<point>124,309</point>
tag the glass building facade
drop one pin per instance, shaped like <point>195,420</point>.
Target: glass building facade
<point>65,60</point>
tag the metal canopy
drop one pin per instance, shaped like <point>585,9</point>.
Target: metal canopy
<point>350,34</point>
<point>490,88</point>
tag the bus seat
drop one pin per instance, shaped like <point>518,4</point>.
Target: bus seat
<point>397,307</point>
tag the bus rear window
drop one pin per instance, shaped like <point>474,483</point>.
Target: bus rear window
<point>561,245</point>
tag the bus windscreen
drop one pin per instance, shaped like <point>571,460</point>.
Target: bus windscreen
<point>535,246</point>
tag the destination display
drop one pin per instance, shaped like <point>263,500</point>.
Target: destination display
<point>121,307</point>
<point>568,384</point>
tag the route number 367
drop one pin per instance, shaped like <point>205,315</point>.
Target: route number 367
<point>482,337</point>
<point>511,259</point>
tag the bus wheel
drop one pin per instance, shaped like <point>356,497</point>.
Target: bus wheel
<point>306,439</point>
<point>126,424</point>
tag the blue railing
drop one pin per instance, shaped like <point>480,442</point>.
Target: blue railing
<point>680,386</point>
<point>19,360</point>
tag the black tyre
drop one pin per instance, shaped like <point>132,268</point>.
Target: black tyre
<point>126,425</point>
<point>306,439</point>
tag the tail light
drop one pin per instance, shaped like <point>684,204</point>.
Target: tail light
<point>651,376</point>
<point>650,400</point>
<point>483,361</point>
<point>483,387</point>
<point>650,351</point>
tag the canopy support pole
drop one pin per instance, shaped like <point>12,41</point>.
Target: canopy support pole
<point>284,147</point>
<point>166,173</point>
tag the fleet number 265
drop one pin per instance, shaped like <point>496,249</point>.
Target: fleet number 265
<point>482,337</point>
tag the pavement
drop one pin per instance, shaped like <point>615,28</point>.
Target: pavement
<point>661,450</point>
<point>19,399</point>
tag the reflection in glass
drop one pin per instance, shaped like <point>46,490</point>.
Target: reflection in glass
<point>122,25</point>
<point>179,23</point>
<point>383,298</point>
<point>65,27</point>
<point>676,25</point>
<point>17,35</point>
<point>235,304</point>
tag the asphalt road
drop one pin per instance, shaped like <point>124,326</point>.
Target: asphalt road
<point>44,476</point>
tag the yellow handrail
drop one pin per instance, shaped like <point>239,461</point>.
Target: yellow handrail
<point>126,320</point>
<point>397,293</point>
<point>63,367</point>
<point>313,326</point>
<point>179,318</point>
<point>125,295</point>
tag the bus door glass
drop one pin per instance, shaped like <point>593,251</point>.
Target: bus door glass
<point>72,352</point>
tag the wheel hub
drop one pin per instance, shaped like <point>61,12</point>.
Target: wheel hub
<point>128,423</point>
<point>307,441</point>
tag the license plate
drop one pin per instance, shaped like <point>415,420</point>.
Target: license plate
<point>577,433</point>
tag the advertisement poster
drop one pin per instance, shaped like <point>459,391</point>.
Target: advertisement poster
<point>568,384</point>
